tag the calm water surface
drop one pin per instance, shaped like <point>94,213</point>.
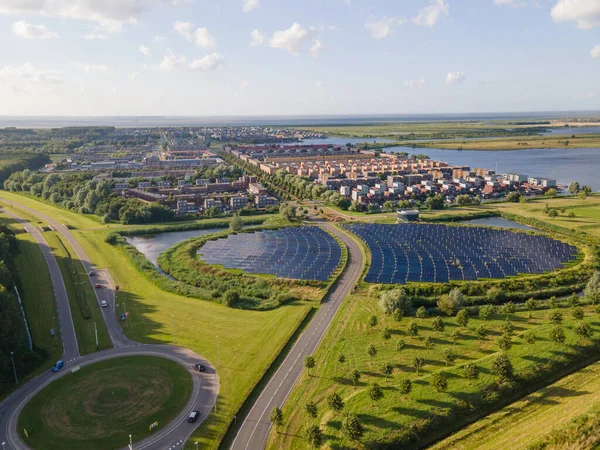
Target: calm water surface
<point>498,222</point>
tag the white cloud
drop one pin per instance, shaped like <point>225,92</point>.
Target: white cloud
<point>291,40</point>
<point>381,28</point>
<point>173,62</point>
<point>511,3</point>
<point>30,73</point>
<point>133,76</point>
<point>421,82</point>
<point>585,12</point>
<point>90,68</point>
<point>257,37</point>
<point>244,84</point>
<point>249,5</point>
<point>595,52</point>
<point>30,31</point>
<point>201,36</point>
<point>316,48</point>
<point>455,77</point>
<point>181,2</point>
<point>145,50</point>
<point>429,15</point>
<point>318,84</point>
<point>159,38</point>
<point>109,15</point>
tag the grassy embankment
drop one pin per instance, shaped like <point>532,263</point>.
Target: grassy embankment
<point>517,143</point>
<point>248,340</point>
<point>100,405</point>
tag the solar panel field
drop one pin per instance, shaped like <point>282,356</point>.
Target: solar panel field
<point>302,253</point>
<point>440,253</point>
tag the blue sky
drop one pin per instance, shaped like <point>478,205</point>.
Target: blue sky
<point>296,57</point>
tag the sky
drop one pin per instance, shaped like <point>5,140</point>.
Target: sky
<point>297,57</point>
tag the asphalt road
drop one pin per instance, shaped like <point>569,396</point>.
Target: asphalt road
<point>170,436</point>
<point>254,430</point>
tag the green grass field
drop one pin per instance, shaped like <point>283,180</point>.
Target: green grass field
<point>516,143</point>
<point>100,405</point>
<point>395,413</point>
<point>248,340</point>
<point>523,422</point>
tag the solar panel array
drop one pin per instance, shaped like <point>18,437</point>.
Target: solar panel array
<point>439,253</point>
<point>303,253</point>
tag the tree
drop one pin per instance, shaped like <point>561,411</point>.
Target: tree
<point>386,333</point>
<point>418,362</point>
<point>413,329</point>
<point>552,303</point>
<point>400,344</point>
<point>231,298</point>
<point>398,315</point>
<point>314,436</point>
<point>513,197</point>
<point>355,377</point>
<point>455,336</point>
<point>421,313</point>
<point>335,402</point>
<point>394,300</point>
<point>372,322</point>
<point>552,213</point>
<point>592,288</point>
<point>435,202</point>
<point>449,356</point>
<point>440,382</point>
<point>277,417</point>
<point>481,331</point>
<point>311,409</point>
<point>375,392</point>
<point>451,303</point>
<point>428,343</point>
<point>387,369</point>
<point>388,206</point>
<point>341,358</point>
<point>583,329</point>
<point>529,337</point>
<point>494,294</point>
<point>574,188</point>
<point>508,327</point>
<point>557,334</point>
<point>352,427</point>
<point>508,308</point>
<point>236,222</point>
<point>486,311</point>
<point>471,371</point>
<point>581,196</point>
<point>405,386</point>
<point>371,351</point>
<point>505,342</point>
<point>462,317</point>
<point>556,317</point>
<point>309,363</point>
<point>574,299</point>
<point>551,193</point>
<point>587,189</point>
<point>578,313</point>
<point>438,324</point>
<point>502,367</point>
<point>531,305</point>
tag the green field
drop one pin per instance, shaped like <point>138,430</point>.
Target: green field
<point>516,143</point>
<point>100,405</point>
<point>248,340</point>
<point>523,422</point>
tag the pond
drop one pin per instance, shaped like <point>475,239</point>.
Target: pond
<point>152,245</point>
<point>497,222</point>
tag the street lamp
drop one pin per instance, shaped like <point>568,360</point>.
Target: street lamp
<point>130,443</point>
<point>196,444</point>
<point>12,357</point>
<point>5,443</point>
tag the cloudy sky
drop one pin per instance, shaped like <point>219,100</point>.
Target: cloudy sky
<point>296,57</point>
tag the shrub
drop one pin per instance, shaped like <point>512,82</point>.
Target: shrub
<point>405,386</point>
<point>438,324</point>
<point>557,334</point>
<point>502,367</point>
<point>462,317</point>
<point>421,313</point>
<point>440,382</point>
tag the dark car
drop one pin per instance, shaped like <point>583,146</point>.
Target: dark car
<point>193,416</point>
<point>200,367</point>
<point>58,366</point>
<point>98,286</point>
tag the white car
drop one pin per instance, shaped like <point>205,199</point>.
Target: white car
<point>103,303</point>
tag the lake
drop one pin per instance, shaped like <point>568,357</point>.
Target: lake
<point>343,141</point>
<point>152,245</point>
<point>582,164</point>
<point>497,222</point>
<point>569,131</point>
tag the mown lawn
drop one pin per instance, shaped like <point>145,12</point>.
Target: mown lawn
<point>248,340</point>
<point>100,405</point>
<point>388,418</point>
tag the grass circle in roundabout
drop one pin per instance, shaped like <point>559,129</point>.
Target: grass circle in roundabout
<point>100,405</point>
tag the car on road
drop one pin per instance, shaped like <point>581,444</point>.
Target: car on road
<point>199,367</point>
<point>58,366</point>
<point>91,273</point>
<point>193,416</point>
<point>98,286</point>
<point>104,303</point>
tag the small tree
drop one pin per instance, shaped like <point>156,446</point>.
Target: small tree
<point>462,318</point>
<point>494,294</point>
<point>552,303</point>
<point>455,336</point>
<point>236,222</point>
<point>405,386</point>
<point>486,311</point>
<point>418,363</point>
<point>309,364</point>
<point>311,409</point>
<point>583,329</point>
<point>387,369</point>
<point>508,308</point>
<point>355,377</point>
<point>440,382</point>
<point>574,188</point>
<point>413,329</point>
<point>277,417</point>
<point>529,337</point>
<point>231,298</point>
<point>394,300</point>
<point>573,300</point>
<point>553,213</point>
<point>505,342</point>
<point>386,333</point>
<point>578,313</point>
<point>551,193</point>
<point>314,436</point>
<point>451,303</point>
<point>557,334</point>
<point>335,402</point>
<point>341,358</point>
<point>352,428</point>
<point>371,351</point>
<point>421,313</point>
<point>502,367</point>
<point>372,322</point>
<point>400,344</point>
<point>592,288</point>
<point>429,344</point>
<point>375,392</point>
<point>508,327</point>
<point>531,305</point>
<point>556,317</point>
<point>438,324</point>
<point>449,356</point>
<point>481,331</point>
<point>471,371</point>
<point>398,315</point>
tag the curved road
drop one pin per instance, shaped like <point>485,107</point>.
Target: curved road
<point>205,385</point>
<point>254,430</point>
